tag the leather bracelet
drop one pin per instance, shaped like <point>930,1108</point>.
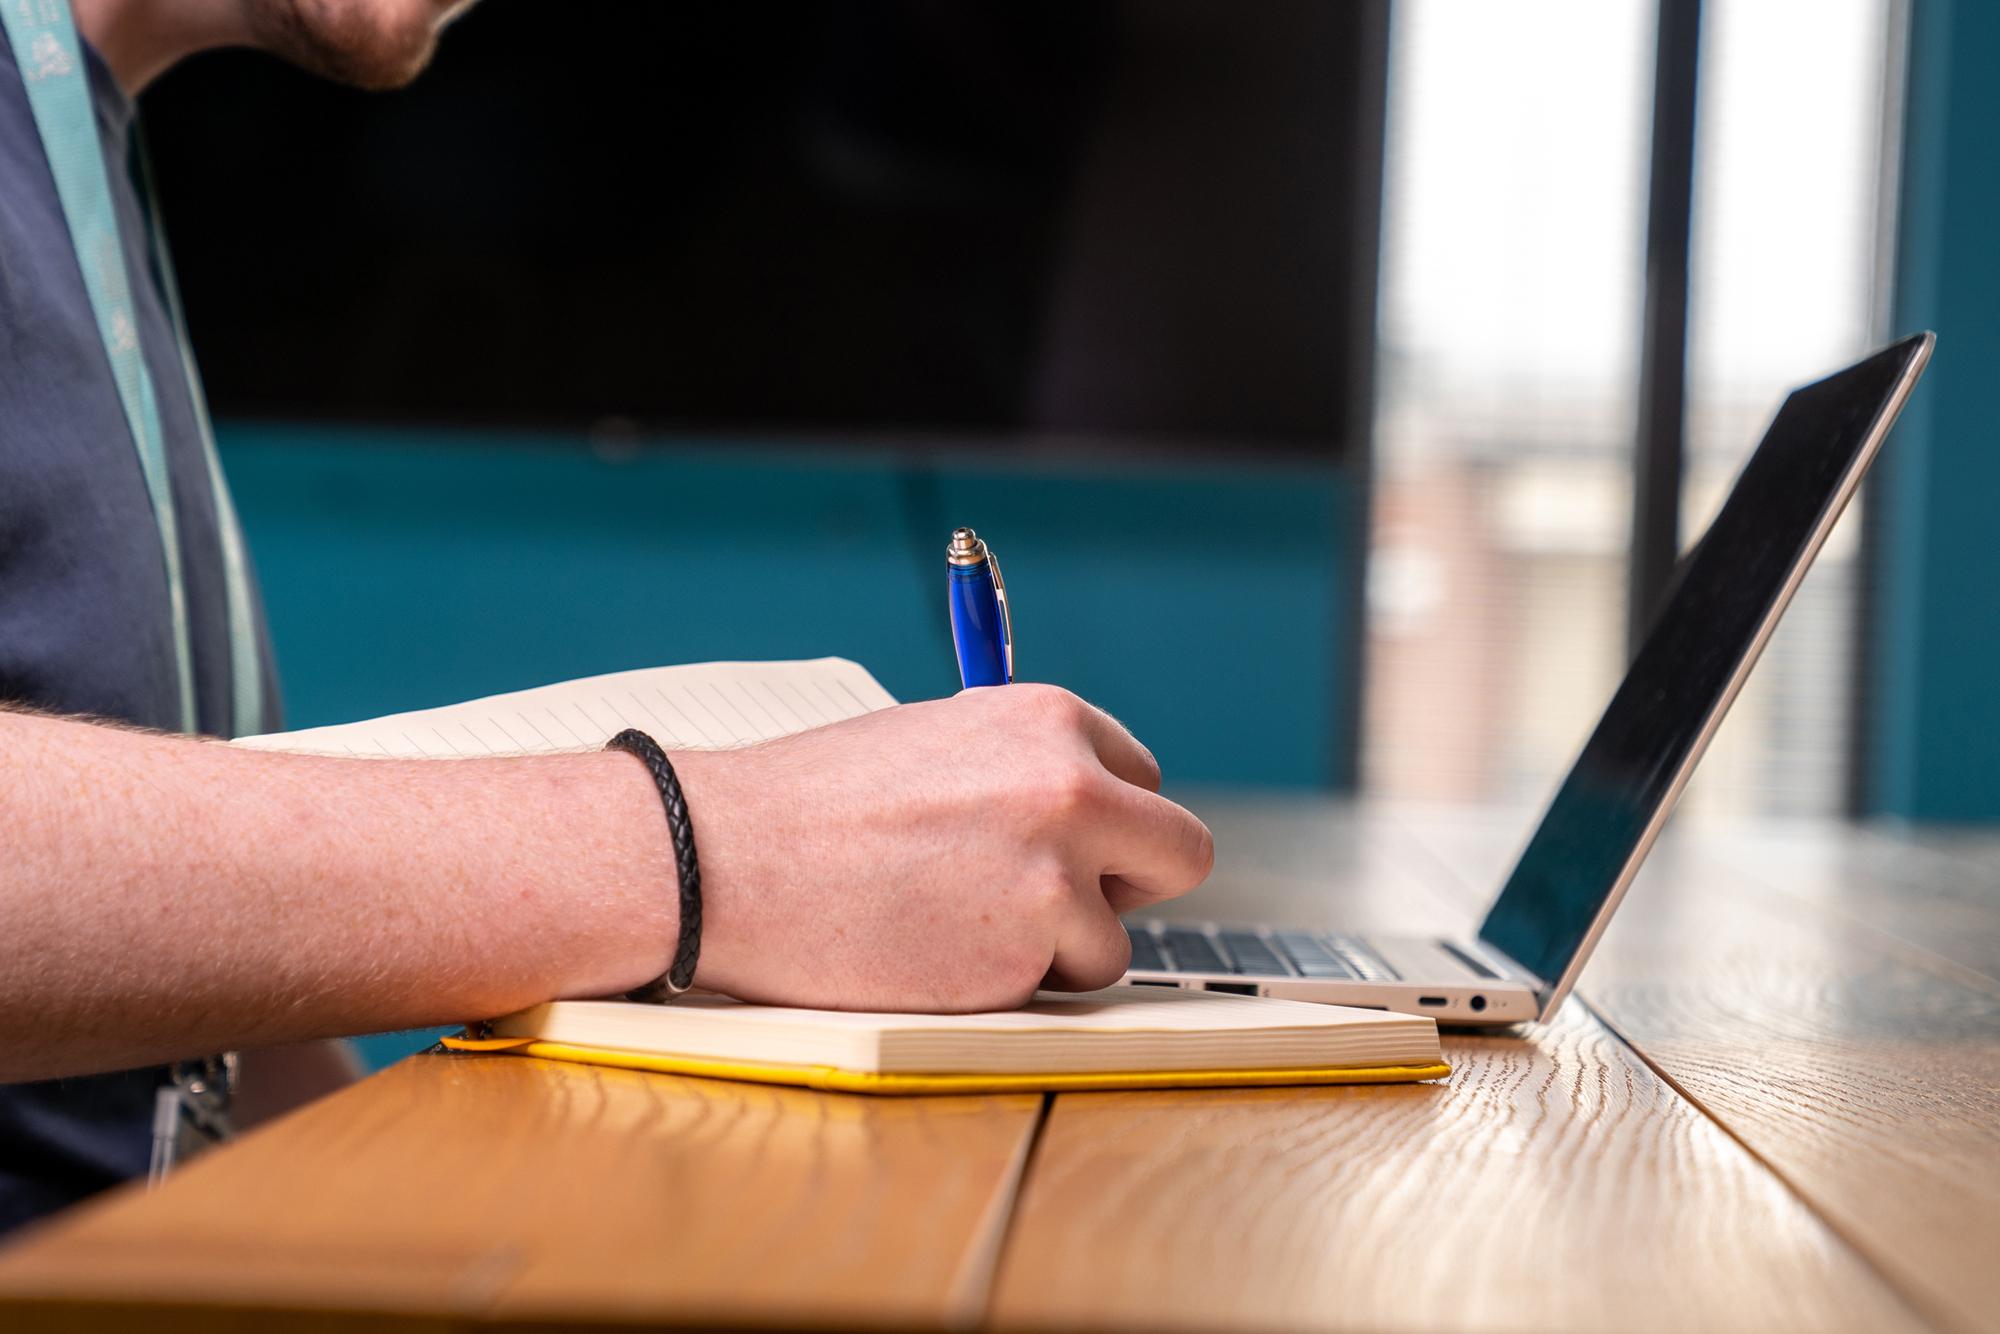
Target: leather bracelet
<point>680,974</point>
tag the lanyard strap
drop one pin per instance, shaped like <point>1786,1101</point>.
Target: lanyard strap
<point>46,49</point>
<point>246,663</point>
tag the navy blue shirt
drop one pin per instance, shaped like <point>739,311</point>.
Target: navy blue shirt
<point>85,625</point>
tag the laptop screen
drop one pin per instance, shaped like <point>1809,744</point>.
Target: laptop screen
<point>1724,591</point>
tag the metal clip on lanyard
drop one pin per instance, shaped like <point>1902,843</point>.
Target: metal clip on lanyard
<point>43,35</point>
<point>191,1113</point>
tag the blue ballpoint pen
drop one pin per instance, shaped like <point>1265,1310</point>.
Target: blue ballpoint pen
<point>980,627</point>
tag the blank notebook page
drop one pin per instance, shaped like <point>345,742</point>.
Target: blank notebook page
<point>706,706</point>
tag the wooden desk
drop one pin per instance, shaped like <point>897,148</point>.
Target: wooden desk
<point>1778,1109</point>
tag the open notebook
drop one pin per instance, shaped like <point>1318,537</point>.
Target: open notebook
<point>706,706</point>
<point>1122,1037</point>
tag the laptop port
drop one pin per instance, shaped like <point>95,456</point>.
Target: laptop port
<point>1431,1000</point>
<point>1152,982</point>
<point>1478,1003</point>
<point>1233,988</point>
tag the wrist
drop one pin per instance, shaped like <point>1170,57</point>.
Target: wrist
<point>722,801</point>
<point>624,884</point>
<point>678,978</point>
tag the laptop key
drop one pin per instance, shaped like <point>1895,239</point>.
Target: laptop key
<point>1302,946</point>
<point>1252,955</point>
<point>1313,958</point>
<point>1193,952</point>
<point>1146,954</point>
<point>1367,964</point>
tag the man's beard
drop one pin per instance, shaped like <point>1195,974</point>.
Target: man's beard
<point>373,44</point>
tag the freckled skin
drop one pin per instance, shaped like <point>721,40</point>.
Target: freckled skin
<point>949,855</point>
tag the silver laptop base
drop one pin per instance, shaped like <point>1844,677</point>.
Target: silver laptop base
<point>1452,981</point>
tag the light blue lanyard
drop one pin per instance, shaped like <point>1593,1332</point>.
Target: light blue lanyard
<point>43,35</point>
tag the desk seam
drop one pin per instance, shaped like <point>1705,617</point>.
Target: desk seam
<point>979,1280</point>
<point>1916,1306</point>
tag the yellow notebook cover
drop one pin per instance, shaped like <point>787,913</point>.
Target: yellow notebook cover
<point>833,1079</point>
<point>1120,1038</point>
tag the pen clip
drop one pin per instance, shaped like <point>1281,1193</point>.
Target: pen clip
<point>1006,617</point>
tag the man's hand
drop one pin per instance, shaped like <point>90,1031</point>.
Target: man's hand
<point>162,897</point>
<point>951,855</point>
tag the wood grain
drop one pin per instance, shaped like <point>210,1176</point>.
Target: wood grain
<point>1936,889</point>
<point>503,1188</point>
<point>1556,1183</point>
<point>1863,1071</point>
<point>1786,1117</point>
<point>1828,994</point>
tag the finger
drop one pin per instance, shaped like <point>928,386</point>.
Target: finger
<point>1152,846</point>
<point>1092,949</point>
<point>1123,895</point>
<point>1119,751</point>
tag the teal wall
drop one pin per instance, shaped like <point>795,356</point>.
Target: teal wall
<point>1934,740</point>
<point>1201,603</point>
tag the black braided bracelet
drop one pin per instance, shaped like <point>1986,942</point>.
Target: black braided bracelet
<point>680,974</point>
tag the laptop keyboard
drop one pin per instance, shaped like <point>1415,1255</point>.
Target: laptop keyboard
<point>1158,948</point>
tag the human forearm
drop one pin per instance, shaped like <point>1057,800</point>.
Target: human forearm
<point>168,897</point>
<point>163,897</point>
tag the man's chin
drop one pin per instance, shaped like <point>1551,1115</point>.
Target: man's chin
<point>372,44</point>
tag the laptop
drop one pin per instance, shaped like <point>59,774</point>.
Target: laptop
<point>1727,596</point>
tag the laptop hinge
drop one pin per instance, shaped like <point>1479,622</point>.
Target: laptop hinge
<point>1509,967</point>
<point>1470,960</point>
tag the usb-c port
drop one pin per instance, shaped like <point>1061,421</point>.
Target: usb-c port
<point>1431,1000</point>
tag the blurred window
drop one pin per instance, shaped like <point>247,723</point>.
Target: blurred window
<point>1514,220</point>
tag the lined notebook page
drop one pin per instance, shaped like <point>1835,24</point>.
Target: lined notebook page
<point>706,706</point>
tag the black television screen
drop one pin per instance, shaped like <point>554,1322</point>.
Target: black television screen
<point>1146,219</point>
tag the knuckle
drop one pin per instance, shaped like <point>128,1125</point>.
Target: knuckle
<point>1201,857</point>
<point>1104,966</point>
<point>1150,765</point>
<point>1046,892</point>
<point>1098,979</point>
<point>1054,703</point>
<point>1116,962</point>
<point>1071,790</point>
<point>1056,795</point>
<point>1021,972</point>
